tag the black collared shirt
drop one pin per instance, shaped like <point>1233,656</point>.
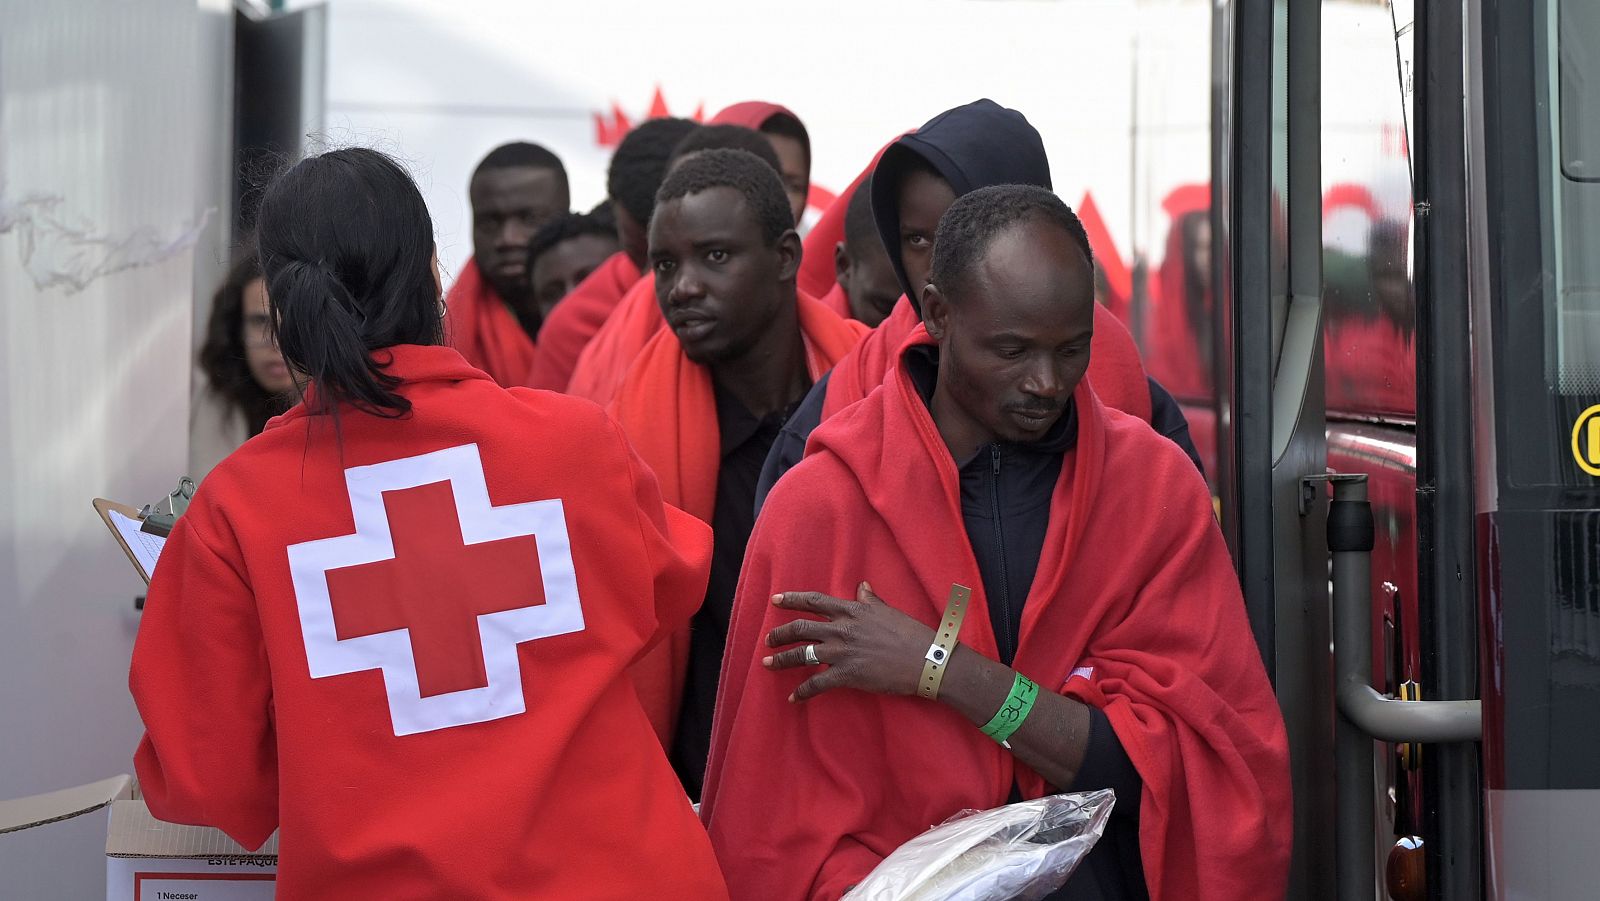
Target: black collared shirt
<point>746,439</point>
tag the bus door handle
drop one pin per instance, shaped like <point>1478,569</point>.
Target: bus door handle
<point>1379,716</point>
<point>1364,714</point>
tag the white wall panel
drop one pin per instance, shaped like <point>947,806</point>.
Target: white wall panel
<point>100,205</point>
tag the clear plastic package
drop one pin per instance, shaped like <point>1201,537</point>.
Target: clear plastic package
<point>1020,851</point>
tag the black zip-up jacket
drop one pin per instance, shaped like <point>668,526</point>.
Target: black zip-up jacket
<point>1006,491</point>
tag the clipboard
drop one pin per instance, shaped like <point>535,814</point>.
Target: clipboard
<point>125,522</point>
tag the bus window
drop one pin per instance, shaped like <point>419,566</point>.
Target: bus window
<point>1577,219</point>
<point>1543,196</point>
<point>1369,311</point>
<point>1579,22</point>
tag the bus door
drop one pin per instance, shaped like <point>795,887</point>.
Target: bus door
<point>1271,418</point>
<point>1325,249</point>
<point>1534,105</point>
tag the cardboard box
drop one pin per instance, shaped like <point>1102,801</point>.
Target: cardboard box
<point>151,860</point>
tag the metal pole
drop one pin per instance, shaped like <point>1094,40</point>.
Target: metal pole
<point>1364,714</point>
<point>1377,716</point>
<point>1350,539</point>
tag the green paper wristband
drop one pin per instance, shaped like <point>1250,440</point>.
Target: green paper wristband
<point>1018,705</point>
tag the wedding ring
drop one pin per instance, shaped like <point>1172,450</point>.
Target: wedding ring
<point>811,655</point>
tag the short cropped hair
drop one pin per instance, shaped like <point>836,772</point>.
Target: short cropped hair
<point>521,154</point>
<point>727,137</point>
<point>860,229</point>
<point>565,227</point>
<point>978,217</point>
<point>741,171</point>
<point>641,162</point>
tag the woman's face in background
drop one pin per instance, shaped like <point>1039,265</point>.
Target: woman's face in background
<point>260,350</point>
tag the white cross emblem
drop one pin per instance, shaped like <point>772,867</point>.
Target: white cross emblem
<point>391,651</point>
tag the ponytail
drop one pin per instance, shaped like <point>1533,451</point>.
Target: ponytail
<point>346,247</point>
<point>317,316</point>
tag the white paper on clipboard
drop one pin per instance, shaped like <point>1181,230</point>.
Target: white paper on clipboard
<point>145,547</point>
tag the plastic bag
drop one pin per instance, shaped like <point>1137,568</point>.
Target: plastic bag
<point>1023,851</point>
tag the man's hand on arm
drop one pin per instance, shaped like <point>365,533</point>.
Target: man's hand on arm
<point>868,645</point>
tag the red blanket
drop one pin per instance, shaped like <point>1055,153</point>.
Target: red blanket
<point>668,409</point>
<point>1135,609</point>
<point>1114,366</point>
<point>405,642</point>
<point>751,114</point>
<point>575,320</point>
<point>606,360</point>
<point>817,273</point>
<point>837,301</point>
<point>480,325</point>
<point>863,369</point>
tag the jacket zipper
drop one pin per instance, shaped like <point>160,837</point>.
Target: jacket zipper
<point>1009,648</point>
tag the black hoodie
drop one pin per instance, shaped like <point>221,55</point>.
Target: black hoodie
<point>979,145</point>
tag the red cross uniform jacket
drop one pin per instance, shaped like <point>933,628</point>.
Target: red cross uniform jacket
<point>409,651</point>
<point>1135,609</point>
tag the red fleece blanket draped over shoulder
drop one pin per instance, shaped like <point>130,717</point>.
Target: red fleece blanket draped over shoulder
<point>575,320</point>
<point>483,329</point>
<point>864,368</point>
<point>1135,609</point>
<point>668,409</point>
<point>606,360</point>
<point>1115,369</point>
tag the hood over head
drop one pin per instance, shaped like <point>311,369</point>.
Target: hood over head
<point>750,114</point>
<point>753,114</point>
<point>978,145</point>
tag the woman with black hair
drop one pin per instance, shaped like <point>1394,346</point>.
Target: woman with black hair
<point>397,622</point>
<point>246,380</point>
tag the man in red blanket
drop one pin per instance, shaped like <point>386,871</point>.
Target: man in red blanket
<point>490,313</point>
<point>1106,645</point>
<point>707,395</point>
<point>605,362</point>
<point>914,182</point>
<point>632,179</point>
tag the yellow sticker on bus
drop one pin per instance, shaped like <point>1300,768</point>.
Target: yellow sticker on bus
<point>1586,440</point>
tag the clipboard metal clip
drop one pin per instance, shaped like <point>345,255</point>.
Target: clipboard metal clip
<point>155,522</point>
